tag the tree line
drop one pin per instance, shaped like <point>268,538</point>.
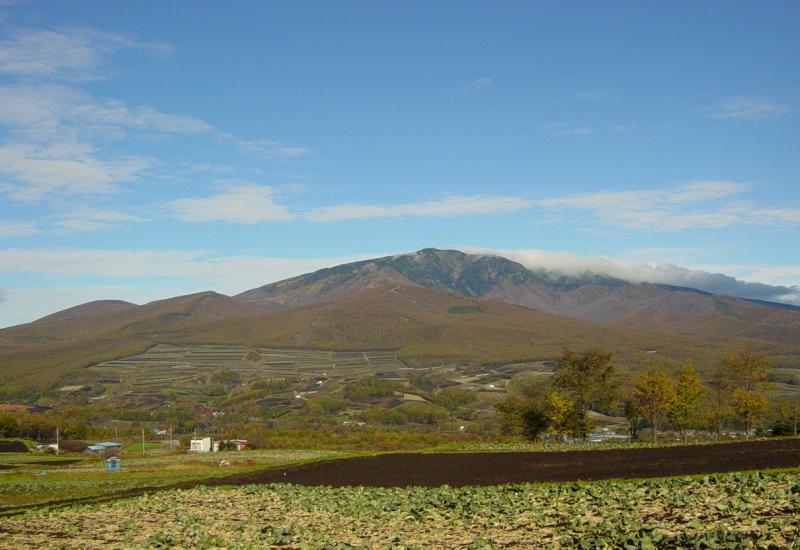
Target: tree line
<point>734,395</point>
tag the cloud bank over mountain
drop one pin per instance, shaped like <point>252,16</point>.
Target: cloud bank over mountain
<point>646,272</point>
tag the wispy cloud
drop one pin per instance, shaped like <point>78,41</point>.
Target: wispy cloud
<point>745,107</point>
<point>18,229</point>
<point>93,219</point>
<point>693,205</point>
<point>47,111</point>
<point>248,203</point>
<point>269,149</point>
<point>241,203</point>
<point>591,96</point>
<point>455,205</point>
<point>566,129</point>
<point>689,206</point>
<point>478,84</point>
<point>71,54</point>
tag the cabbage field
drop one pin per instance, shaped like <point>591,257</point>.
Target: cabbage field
<point>739,510</point>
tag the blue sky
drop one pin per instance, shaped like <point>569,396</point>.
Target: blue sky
<point>149,149</point>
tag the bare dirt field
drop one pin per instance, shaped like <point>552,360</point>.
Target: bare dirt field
<point>460,469</point>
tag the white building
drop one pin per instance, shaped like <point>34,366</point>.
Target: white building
<point>200,445</point>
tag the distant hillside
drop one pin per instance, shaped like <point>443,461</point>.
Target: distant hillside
<point>109,316</point>
<point>38,354</point>
<point>429,306</point>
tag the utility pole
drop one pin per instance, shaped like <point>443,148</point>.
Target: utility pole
<point>170,437</point>
<point>142,441</point>
<point>57,444</point>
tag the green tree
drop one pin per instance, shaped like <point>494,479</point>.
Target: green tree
<point>689,392</point>
<point>632,415</point>
<point>588,380</point>
<point>785,418</point>
<point>655,393</point>
<point>9,427</point>
<point>523,412</point>
<point>746,369</point>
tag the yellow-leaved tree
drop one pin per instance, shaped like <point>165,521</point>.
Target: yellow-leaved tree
<point>689,392</point>
<point>746,370</point>
<point>655,393</point>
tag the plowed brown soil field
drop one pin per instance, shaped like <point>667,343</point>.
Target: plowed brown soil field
<point>459,469</point>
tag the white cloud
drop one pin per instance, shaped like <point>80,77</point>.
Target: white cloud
<point>68,167</point>
<point>244,203</point>
<point>55,134</point>
<point>17,229</point>
<point>478,84</point>
<point>455,205</point>
<point>743,107</point>
<point>52,130</point>
<point>653,272</point>
<point>73,54</point>
<point>566,129</point>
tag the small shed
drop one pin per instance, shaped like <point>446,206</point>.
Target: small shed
<point>200,445</point>
<point>103,447</point>
<point>239,444</point>
<point>113,464</point>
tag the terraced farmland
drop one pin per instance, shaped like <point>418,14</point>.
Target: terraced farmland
<point>188,370</point>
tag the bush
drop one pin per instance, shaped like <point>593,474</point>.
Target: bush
<point>407,413</point>
<point>454,398</point>
<point>370,388</point>
<point>320,406</point>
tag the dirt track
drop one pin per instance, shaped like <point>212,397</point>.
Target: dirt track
<point>458,469</point>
